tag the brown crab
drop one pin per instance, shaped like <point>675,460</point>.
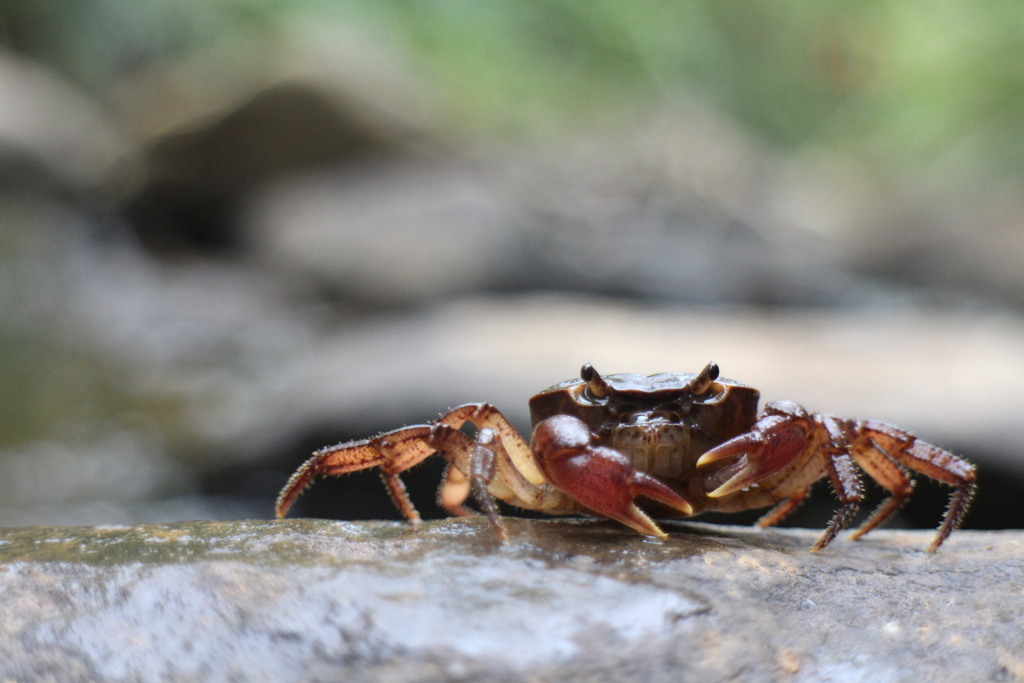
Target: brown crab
<point>683,443</point>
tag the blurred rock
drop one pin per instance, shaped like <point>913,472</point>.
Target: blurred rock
<point>113,367</point>
<point>196,179</point>
<point>297,154</point>
<point>943,237</point>
<point>52,137</point>
<point>222,120</point>
<point>685,206</point>
<point>611,217</point>
<point>387,234</point>
<point>307,600</point>
<point>685,209</point>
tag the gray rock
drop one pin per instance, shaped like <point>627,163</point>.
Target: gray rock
<point>389,233</point>
<point>51,134</point>
<point>564,599</point>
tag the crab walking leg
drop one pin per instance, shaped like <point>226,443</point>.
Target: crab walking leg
<point>509,484</point>
<point>931,461</point>
<point>497,464</point>
<point>784,509</point>
<point>599,478</point>
<point>513,477</point>
<point>485,416</point>
<point>889,476</point>
<point>455,486</point>
<point>481,473</point>
<point>842,475</point>
<point>494,475</point>
<point>394,452</point>
<point>846,484</point>
<point>453,491</point>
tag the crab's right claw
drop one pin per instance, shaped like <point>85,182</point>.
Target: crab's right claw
<point>601,479</point>
<point>773,443</point>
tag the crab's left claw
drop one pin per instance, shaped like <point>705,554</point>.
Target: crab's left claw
<point>601,479</point>
<point>774,442</point>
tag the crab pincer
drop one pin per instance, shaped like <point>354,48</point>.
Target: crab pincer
<point>599,478</point>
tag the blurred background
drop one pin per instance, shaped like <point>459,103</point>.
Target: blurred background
<point>234,232</point>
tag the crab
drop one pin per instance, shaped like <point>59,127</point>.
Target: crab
<point>629,447</point>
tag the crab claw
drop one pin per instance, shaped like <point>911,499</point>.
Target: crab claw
<point>601,479</point>
<point>774,442</point>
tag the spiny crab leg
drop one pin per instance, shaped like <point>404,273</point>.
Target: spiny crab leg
<point>397,451</point>
<point>599,478</point>
<point>394,452</point>
<point>483,464</point>
<point>888,475</point>
<point>931,461</point>
<point>843,476</point>
<point>496,464</point>
<point>788,446</point>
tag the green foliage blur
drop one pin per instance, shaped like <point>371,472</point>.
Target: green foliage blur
<point>896,86</point>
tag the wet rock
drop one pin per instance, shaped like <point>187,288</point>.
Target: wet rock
<point>314,600</point>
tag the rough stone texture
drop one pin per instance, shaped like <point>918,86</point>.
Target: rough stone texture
<point>565,599</point>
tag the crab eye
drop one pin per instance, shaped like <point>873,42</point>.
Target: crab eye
<point>712,371</point>
<point>704,379</point>
<point>596,388</point>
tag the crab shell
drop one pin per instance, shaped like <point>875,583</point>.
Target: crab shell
<point>656,420</point>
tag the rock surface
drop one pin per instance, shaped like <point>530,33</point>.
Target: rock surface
<point>565,599</point>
